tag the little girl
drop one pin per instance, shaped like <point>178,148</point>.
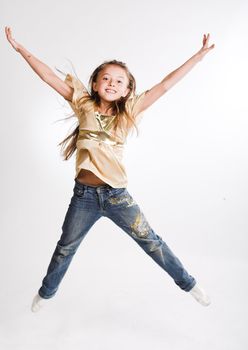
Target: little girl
<point>106,114</point>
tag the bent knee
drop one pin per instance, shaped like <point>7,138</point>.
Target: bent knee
<point>64,251</point>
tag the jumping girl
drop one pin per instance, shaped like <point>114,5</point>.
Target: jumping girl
<point>106,114</point>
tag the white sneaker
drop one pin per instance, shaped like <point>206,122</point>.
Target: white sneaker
<point>37,303</point>
<point>200,295</point>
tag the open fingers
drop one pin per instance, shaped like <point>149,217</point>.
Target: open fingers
<point>206,39</point>
<point>8,31</point>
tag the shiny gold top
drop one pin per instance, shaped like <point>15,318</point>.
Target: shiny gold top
<point>102,135</point>
<point>98,148</point>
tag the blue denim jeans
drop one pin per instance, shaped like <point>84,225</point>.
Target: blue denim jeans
<point>90,203</point>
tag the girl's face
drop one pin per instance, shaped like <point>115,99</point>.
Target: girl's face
<point>112,83</point>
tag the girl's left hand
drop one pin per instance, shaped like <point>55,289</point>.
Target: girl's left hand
<point>205,49</point>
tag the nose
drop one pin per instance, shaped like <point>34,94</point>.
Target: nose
<point>112,83</point>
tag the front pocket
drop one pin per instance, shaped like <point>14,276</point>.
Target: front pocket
<point>121,198</point>
<point>79,192</point>
<point>118,191</point>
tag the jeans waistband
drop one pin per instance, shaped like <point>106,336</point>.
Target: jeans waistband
<point>105,186</point>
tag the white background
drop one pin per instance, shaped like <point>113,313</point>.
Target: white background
<point>187,170</point>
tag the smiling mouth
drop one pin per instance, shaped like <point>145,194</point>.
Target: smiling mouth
<point>110,91</point>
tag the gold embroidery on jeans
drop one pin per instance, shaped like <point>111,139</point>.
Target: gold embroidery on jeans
<point>119,200</point>
<point>140,226</point>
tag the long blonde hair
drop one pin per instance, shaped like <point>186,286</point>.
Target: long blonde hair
<point>68,145</point>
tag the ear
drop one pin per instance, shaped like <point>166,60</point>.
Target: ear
<point>126,92</point>
<point>94,86</point>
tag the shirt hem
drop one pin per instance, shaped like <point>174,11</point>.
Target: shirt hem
<point>114,185</point>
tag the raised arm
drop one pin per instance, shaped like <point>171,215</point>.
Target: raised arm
<point>171,79</point>
<point>40,68</point>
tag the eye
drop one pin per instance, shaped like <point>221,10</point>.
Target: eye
<point>119,82</point>
<point>105,78</point>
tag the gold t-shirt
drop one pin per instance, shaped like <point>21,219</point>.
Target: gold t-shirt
<point>98,149</point>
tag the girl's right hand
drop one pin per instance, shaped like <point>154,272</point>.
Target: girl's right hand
<point>12,41</point>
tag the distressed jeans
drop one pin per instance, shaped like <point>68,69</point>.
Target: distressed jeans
<point>90,203</point>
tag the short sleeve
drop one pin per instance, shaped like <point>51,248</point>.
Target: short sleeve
<point>79,91</point>
<point>133,105</point>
